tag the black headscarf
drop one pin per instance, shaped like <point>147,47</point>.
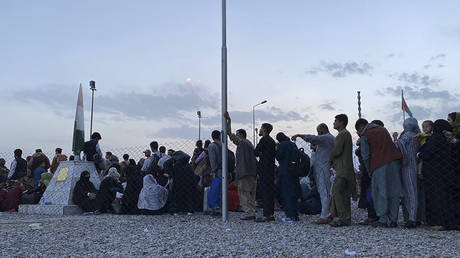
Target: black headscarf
<point>134,183</point>
<point>441,125</point>
<point>82,188</point>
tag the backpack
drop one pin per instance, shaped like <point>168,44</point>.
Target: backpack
<point>154,169</point>
<point>300,165</point>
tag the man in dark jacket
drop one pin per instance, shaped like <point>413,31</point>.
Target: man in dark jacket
<point>18,166</point>
<point>245,170</point>
<point>93,152</point>
<point>265,150</point>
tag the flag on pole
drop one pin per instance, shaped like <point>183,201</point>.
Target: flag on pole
<point>405,107</point>
<point>79,126</point>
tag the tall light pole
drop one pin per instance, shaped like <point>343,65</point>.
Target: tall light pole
<point>224,110</point>
<point>199,124</point>
<point>254,121</point>
<point>359,104</point>
<point>92,87</point>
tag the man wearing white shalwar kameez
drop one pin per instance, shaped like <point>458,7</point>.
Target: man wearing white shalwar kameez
<point>324,142</point>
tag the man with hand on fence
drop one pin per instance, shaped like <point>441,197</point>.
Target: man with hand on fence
<point>324,143</point>
<point>344,185</point>
<point>245,170</point>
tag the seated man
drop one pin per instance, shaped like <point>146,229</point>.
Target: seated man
<point>311,201</point>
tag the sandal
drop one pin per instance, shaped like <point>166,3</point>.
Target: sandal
<point>321,221</point>
<point>338,223</point>
<point>265,219</point>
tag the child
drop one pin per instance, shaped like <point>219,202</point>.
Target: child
<point>427,127</point>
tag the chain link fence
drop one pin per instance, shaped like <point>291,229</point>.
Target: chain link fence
<point>183,189</point>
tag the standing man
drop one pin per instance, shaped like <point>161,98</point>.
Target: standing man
<point>57,159</point>
<point>215,161</point>
<point>343,187</point>
<point>18,167</point>
<point>381,158</point>
<point>245,170</point>
<point>151,163</point>
<point>320,166</point>
<point>147,154</point>
<point>265,150</point>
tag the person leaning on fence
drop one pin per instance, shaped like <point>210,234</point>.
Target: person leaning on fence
<point>84,193</point>
<point>245,170</point>
<point>438,172</point>
<point>288,183</point>
<point>382,160</point>
<point>409,147</point>
<point>58,157</point>
<point>344,185</point>
<point>324,143</point>
<point>265,150</point>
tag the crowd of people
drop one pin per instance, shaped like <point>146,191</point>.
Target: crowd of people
<point>418,170</point>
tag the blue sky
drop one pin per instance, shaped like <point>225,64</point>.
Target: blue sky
<point>156,62</point>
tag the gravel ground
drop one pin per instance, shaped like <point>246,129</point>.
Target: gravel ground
<point>200,235</point>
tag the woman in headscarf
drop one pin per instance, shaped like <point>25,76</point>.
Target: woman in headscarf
<point>133,188</point>
<point>152,198</point>
<point>454,120</point>
<point>107,191</point>
<point>84,193</point>
<point>409,147</point>
<point>184,181</point>
<point>438,173</point>
<point>289,184</point>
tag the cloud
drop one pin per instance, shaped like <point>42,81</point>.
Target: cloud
<point>435,61</point>
<point>272,115</point>
<point>172,101</point>
<point>327,106</point>
<point>340,70</point>
<point>436,57</point>
<point>419,93</point>
<point>416,79</point>
<point>391,55</point>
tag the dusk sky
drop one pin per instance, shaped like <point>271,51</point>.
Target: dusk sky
<point>156,63</point>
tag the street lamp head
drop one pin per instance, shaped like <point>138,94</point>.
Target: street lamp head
<point>263,102</point>
<point>92,85</point>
